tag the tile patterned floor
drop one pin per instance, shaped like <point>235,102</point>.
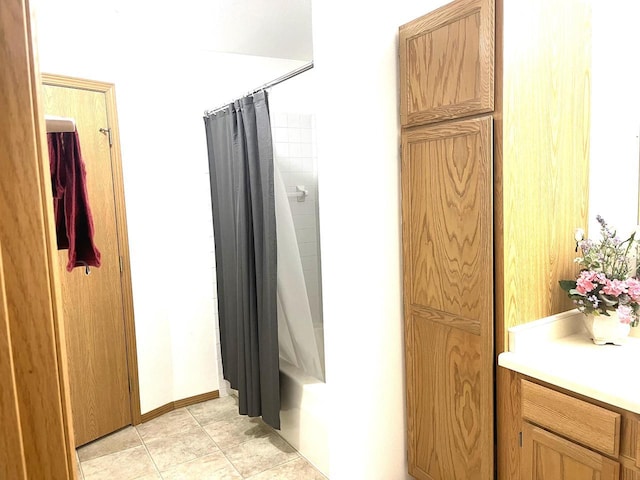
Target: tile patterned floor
<point>207,441</point>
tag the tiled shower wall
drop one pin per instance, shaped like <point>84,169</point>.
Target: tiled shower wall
<point>294,150</point>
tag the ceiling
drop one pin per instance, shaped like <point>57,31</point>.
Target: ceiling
<point>271,28</point>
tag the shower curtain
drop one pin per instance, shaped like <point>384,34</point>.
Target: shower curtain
<point>297,336</point>
<point>242,195</point>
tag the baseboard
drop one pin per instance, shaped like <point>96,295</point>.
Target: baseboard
<point>185,402</point>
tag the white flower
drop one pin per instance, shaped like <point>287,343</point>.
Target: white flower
<point>579,234</point>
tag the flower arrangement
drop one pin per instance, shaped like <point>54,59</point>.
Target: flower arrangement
<point>607,280</point>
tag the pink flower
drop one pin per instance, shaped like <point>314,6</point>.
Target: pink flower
<point>633,285</point>
<point>624,314</point>
<point>615,287</point>
<point>584,283</point>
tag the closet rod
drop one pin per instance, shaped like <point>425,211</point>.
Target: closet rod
<point>270,84</point>
<point>59,124</point>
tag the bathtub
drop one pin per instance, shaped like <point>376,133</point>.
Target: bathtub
<point>303,414</point>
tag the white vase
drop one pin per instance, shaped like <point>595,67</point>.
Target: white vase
<point>603,329</point>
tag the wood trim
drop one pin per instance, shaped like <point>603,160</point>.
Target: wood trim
<point>498,204</point>
<point>638,444</point>
<point>31,290</point>
<point>629,464</point>
<point>469,325</point>
<point>203,397</point>
<point>509,424</point>
<point>108,89</point>
<point>12,461</point>
<point>185,402</point>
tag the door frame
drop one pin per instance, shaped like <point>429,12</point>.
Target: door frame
<point>108,89</point>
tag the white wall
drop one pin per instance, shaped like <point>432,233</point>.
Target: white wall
<point>615,116</point>
<point>356,65</point>
<point>162,90</point>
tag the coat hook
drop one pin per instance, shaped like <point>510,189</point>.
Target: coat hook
<point>107,131</point>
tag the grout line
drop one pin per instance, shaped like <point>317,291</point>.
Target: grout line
<point>148,453</point>
<point>222,451</point>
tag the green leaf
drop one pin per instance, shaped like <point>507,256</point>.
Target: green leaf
<point>567,285</point>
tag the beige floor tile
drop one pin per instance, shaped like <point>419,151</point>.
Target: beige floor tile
<point>298,469</point>
<point>236,430</point>
<point>167,452</point>
<point>260,454</point>
<point>169,424</point>
<point>125,465</point>
<point>116,442</point>
<point>210,467</point>
<point>215,410</point>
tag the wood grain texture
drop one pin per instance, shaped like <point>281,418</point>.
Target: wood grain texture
<point>449,187</point>
<point>545,156</point>
<point>446,424</point>
<point>629,434</point>
<point>541,166</point>
<point>96,330</point>
<point>26,225</point>
<point>447,63</point>
<point>629,474</point>
<point>566,416</point>
<point>447,247</point>
<point>508,424</point>
<point>549,457</point>
<point>12,461</point>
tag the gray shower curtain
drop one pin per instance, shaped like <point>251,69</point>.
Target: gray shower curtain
<point>242,197</point>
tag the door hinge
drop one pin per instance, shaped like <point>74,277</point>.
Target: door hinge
<point>520,439</point>
<point>121,264</point>
<point>107,131</point>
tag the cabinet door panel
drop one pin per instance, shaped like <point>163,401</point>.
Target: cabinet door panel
<point>448,294</point>
<point>548,457</point>
<point>447,63</point>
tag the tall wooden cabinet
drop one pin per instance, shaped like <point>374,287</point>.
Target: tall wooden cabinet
<point>494,109</point>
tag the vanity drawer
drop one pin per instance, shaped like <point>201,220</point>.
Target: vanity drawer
<point>588,424</point>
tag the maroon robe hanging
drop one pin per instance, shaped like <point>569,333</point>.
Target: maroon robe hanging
<point>74,224</point>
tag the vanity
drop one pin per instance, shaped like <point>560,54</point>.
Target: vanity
<point>573,408</point>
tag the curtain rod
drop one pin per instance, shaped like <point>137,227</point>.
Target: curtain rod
<point>270,84</point>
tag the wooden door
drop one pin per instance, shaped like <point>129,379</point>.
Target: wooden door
<point>447,63</point>
<point>447,190</point>
<point>93,305</point>
<point>546,456</point>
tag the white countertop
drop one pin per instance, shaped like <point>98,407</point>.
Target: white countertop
<point>558,351</point>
